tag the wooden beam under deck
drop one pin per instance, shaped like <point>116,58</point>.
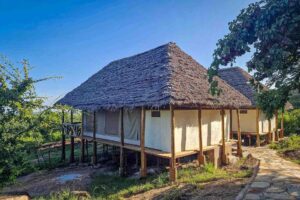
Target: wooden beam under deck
<point>154,152</point>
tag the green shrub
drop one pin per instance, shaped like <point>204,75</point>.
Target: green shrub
<point>291,122</point>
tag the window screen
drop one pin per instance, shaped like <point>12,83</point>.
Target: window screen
<point>112,122</point>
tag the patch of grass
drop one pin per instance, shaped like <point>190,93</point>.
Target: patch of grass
<point>290,144</point>
<point>63,195</point>
<point>115,187</point>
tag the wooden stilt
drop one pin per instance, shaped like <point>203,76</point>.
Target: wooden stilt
<point>63,138</point>
<point>81,139</point>
<point>72,158</point>
<point>224,159</point>
<point>257,128</point>
<point>122,153</point>
<point>201,158</point>
<point>282,127</point>
<point>230,125</point>
<point>239,143</point>
<point>276,125</point>
<point>143,170</point>
<point>269,131</point>
<point>87,149</point>
<point>172,170</point>
<point>94,140</point>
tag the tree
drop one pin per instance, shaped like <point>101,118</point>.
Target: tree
<point>272,30</point>
<point>21,112</point>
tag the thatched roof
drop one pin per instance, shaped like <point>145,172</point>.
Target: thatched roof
<point>156,78</point>
<point>239,79</point>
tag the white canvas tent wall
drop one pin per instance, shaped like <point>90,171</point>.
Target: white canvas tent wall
<point>248,122</point>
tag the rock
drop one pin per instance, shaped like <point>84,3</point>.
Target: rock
<point>15,196</point>
<point>279,196</point>
<point>81,194</point>
<point>260,185</point>
<point>294,190</point>
<point>232,159</point>
<point>252,196</point>
<point>274,189</point>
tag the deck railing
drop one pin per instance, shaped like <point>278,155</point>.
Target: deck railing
<point>72,129</point>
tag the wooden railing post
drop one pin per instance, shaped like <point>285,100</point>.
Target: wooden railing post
<point>172,170</point>
<point>63,137</point>
<point>257,128</point>
<point>201,158</point>
<point>94,140</point>
<point>239,143</point>
<point>122,153</point>
<point>143,170</point>
<point>72,159</point>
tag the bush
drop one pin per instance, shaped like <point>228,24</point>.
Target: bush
<point>291,122</point>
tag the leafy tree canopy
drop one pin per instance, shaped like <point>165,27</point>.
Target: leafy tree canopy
<point>271,30</point>
<point>22,114</point>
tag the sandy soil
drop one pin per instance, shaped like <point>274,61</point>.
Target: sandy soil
<point>44,182</point>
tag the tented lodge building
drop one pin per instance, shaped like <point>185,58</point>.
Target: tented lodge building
<point>157,103</point>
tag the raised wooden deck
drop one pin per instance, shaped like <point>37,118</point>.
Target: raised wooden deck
<point>154,152</point>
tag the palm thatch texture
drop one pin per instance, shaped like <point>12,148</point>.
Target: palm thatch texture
<point>156,78</point>
<point>239,79</point>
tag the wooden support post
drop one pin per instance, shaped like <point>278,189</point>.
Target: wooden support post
<point>72,158</point>
<point>63,138</point>
<point>282,127</point>
<point>143,170</point>
<point>87,149</point>
<point>81,139</point>
<point>172,170</point>
<point>239,143</point>
<point>201,158</point>
<point>276,125</point>
<point>269,131</point>
<point>230,125</point>
<point>224,159</point>
<point>257,128</point>
<point>94,140</point>
<point>121,169</point>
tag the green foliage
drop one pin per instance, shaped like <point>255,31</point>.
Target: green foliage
<point>272,30</point>
<point>288,148</point>
<point>63,195</point>
<point>295,100</point>
<point>292,143</point>
<point>291,122</point>
<point>115,187</point>
<point>23,119</point>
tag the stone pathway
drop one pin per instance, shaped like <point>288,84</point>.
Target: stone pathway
<point>276,179</point>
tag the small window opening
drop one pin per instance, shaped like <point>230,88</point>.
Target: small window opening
<point>155,114</point>
<point>243,111</point>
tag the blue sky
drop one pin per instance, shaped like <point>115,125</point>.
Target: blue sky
<point>74,39</point>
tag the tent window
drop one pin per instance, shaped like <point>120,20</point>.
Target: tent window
<point>243,111</point>
<point>155,114</point>
<point>88,121</point>
<point>112,122</point>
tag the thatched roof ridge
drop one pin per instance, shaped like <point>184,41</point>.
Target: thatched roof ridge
<point>156,78</point>
<point>239,79</point>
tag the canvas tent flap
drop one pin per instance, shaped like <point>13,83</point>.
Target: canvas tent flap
<point>132,124</point>
<point>112,122</point>
<point>100,122</point>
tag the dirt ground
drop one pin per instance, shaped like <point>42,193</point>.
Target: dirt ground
<point>217,190</point>
<point>78,178</point>
<point>44,182</point>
